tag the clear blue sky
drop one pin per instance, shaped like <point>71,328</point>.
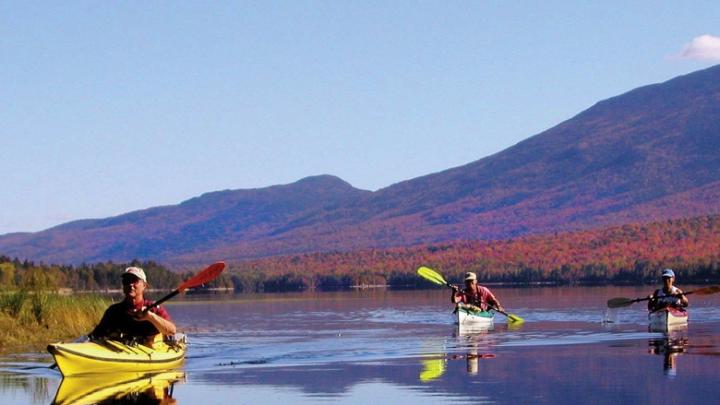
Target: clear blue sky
<point>110,107</point>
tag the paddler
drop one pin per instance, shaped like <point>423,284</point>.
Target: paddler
<point>475,294</point>
<point>129,320</point>
<point>668,295</point>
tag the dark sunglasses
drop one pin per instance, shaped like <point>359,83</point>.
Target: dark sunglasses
<point>130,280</point>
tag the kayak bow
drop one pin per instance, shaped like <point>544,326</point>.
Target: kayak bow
<point>471,318</point>
<point>669,316</point>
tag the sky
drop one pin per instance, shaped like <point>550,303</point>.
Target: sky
<point>111,107</point>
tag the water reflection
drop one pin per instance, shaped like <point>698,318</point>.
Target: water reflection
<point>36,387</point>
<point>672,344</point>
<point>403,347</point>
<point>126,388</point>
<point>432,369</point>
<point>477,345</point>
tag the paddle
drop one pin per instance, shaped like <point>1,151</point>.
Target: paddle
<point>435,277</point>
<point>205,276</point>
<point>620,302</point>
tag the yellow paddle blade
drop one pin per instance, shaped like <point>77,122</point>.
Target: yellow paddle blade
<point>512,318</point>
<point>432,369</point>
<point>431,275</point>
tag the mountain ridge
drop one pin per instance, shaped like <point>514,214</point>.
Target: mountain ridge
<point>652,153</point>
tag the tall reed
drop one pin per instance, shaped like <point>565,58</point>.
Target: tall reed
<point>49,317</point>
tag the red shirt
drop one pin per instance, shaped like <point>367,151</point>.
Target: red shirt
<point>119,322</point>
<point>480,297</point>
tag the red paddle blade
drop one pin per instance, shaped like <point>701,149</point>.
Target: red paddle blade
<point>707,290</point>
<point>205,276</point>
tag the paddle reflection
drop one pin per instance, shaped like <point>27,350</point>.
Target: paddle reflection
<point>673,343</point>
<point>432,369</point>
<point>122,388</point>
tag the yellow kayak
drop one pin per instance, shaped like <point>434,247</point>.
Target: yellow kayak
<point>111,356</point>
<point>94,388</point>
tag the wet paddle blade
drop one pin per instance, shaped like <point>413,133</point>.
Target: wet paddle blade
<point>514,318</point>
<point>431,275</point>
<point>620,302</point>
<point>205,276</point>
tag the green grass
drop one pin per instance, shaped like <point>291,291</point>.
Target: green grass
<point>31,320</point>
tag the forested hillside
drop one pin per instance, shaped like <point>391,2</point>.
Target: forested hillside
<point>627,254</point>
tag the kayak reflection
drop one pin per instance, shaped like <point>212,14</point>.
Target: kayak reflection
<point>477,343</point>
<point>673,343</point>
<point>126,388</point>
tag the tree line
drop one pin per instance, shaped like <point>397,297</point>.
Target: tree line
<point>627,254</point>
<point>16,274</point>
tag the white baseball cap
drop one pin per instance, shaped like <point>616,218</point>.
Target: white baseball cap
<point>137,272</point>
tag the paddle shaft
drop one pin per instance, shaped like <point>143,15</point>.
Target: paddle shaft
<point>205,276</point>
<point>623,302</point>
<point>163,299</point>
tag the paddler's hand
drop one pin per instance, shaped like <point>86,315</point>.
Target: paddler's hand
<point>142,314</point>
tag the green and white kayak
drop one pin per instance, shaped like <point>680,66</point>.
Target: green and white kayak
<point>470,318</point>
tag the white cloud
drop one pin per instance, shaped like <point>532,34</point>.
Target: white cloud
<point>705,47</point>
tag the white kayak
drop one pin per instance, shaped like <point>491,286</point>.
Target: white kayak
<point>666,317</point>
<point>470,317</point>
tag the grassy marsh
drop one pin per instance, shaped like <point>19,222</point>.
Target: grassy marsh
<point>31,320</point>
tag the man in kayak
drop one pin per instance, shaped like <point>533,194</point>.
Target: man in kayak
<point>129,319</point>
<point>475,294</point>
<point>668,295</point>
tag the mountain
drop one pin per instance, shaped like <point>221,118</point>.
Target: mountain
<point>647,155</point>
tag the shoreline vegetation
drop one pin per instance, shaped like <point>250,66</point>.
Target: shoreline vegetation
<point>29,320</point>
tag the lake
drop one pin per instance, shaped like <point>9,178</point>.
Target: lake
<point>402,347</point>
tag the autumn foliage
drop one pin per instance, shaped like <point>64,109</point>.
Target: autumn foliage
<point>627,254</point>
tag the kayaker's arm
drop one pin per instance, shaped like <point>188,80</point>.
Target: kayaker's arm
<point>495,303</point>
<point>456,295</point>
<point>164,326</point>
<point>683,299</point>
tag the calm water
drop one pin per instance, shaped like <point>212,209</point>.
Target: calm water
<point>393,347</point>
